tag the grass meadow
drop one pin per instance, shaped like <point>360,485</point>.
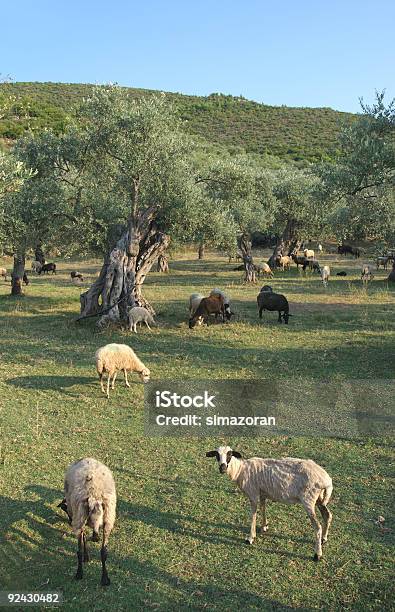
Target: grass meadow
<point>178,543</point>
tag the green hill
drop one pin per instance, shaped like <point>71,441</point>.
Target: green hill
<point>293,134</point>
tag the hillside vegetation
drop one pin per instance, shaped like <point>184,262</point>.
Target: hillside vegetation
<point>293,134</point>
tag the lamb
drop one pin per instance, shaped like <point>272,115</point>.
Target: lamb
<point>287,480</point>
<point>214,304</point>
<point>75,274</point>
<point>139,314</point>
<point>36,267</point>
<point>3,272</point>
<point>227,308</point>
<point>268,300</point>
<point>366,274</point>
<point>309,253</point>
<point>325,274</point>
<point>90,499</point>
<point>112,358</point>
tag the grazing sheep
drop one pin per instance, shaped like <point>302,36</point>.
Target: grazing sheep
<point>320,249</point>
<point>342,273</point>
<point>268,300</point>
<point>36,267</point>
<point>312,264</point>
<point>285,262</point>
<point>309,253</point>
<point>298,259</point>
<point>366,274</point>
<point>139,314</point>
<point>287,480</point>
<point>214,304</point>
<point>75,274</point>
<point>343,249</point>
<point>263,269</point>
<point>112,358</point>
<point>227,308</point>
<point>325,274</point>
<point>382,261</point>
<point>90,499</point>
<point>77,281</point>
<point>48,267</point>
<point>266,288</point>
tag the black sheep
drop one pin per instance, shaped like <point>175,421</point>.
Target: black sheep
<point>267,300</point>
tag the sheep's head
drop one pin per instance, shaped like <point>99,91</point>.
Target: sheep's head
<point>192,322</point>
<point>145,375</point>
<point>224,455</point>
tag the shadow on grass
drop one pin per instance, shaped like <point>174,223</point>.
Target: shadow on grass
<point>39,549</point>
<point>50,382</point>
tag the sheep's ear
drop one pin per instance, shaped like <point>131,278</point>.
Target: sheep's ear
<point>212,454</point>
<point>236,454</point>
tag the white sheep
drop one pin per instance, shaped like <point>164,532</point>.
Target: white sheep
<point>285,262</point>
<point>139,314</point>
<point>36,267</point>
<point>3,272</point>
<point>325,274</point>
<point>112,358</point>
<point>228,311</point>
<point>194,303</point>
<point>90,499</point>
<point>320,248</point>
<point>366,273</point>
<point>309,253</point>
<point>286,480</point>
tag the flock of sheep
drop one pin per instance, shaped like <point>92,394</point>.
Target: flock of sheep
<point>89,486</point>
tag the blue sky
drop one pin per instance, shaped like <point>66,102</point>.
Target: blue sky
<point>294,52</point>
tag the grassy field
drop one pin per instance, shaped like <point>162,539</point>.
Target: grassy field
<point>179,537</point>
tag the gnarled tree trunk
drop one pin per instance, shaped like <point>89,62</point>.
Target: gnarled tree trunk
<point>17,274</point>
<point>119,285</point>
<point>285,244</point>
<point>245,247</point>
<point>201,250</point>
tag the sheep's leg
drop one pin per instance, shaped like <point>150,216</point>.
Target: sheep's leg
<point>126,378</point>
<point>108,385</point>
<point>101,382</point>
<point>264,519</point>
<point>252,536</point>
<point>113,380</point>
<point>279,316</point>
<point>260,313</point>
<point>318,531</point>
<point>146,322</point>
<point>105,581</point>
<point>78,575</point>
<point>86,554</point>
<point>327,518</point>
